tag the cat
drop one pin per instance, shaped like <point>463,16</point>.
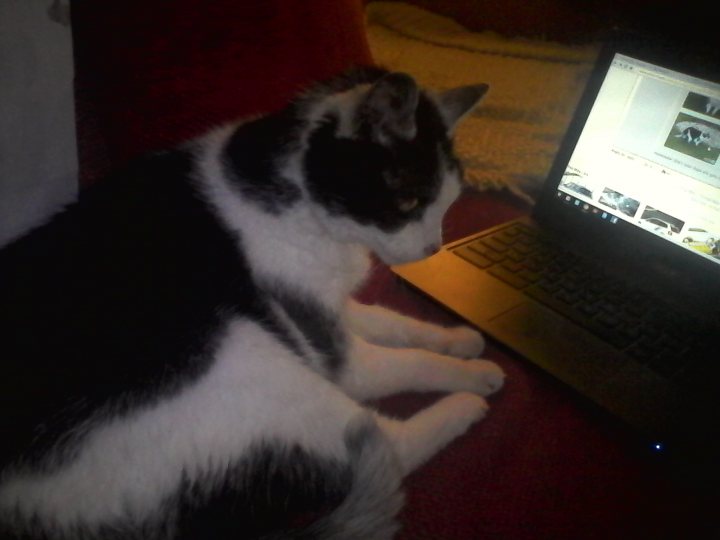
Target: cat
<point>695,136</point>
<point>182,355</point>
<point>712,105</point>
<point>698,134</point>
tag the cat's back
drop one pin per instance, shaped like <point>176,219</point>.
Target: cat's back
<point>97,303</point>
<point>125,243</point>
<point>151,199</point>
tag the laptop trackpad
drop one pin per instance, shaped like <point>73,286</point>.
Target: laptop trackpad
<point>556,344</point>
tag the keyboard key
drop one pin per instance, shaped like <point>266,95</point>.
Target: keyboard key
<point>473,257</point>
<point>548,285</point>
<point>486,252</point>
<point>514,230</point>
<point>609,320</point>
<point>588,309</point>
<point>512,266</point>
<point>529,275</point>
<point>505,237</point>
<point>508,277</point>
<point>567,296</point>
<point>495,244</point>
<point>523,248</point>
<point>514,255</point>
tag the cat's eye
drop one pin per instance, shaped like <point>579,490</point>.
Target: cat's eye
<point>406,205</point>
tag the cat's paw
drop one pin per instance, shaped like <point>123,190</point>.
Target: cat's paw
<point>465,409</point>
<point>487,377</point>
<point>464,342</point>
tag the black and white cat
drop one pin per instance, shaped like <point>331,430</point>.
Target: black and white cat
<point>181,356</point>
<point>695,136</point>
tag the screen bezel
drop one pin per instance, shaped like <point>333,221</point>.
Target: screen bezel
<point>681,274</point>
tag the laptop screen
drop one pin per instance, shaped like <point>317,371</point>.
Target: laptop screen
<point>649,156</point>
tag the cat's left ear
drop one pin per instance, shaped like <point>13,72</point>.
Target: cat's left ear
<point>457,103</point>
<point>388,110</point>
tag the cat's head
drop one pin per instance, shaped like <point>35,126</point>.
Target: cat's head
<point>379,166</point>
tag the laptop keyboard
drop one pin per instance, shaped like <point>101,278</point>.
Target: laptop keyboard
<point>648,329</point>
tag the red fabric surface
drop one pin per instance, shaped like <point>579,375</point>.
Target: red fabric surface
<point>544,463</point>
<point>150,74</point>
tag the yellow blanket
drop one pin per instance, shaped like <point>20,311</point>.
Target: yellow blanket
<point>512,138</point>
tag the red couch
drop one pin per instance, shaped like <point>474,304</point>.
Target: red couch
<point>152,74</point>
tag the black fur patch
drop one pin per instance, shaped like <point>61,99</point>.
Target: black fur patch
<point>323,332</point>
<point>369,181</point>
<point>273,489</point>
<point>252,157</point>
<point>115,303</point>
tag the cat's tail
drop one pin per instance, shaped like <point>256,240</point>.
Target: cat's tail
<point>368,512</point>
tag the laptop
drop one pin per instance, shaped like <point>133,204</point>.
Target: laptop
<point>613,284</point>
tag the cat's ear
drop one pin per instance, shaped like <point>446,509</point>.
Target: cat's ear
<point>457,103</point>
<point>388,109</point>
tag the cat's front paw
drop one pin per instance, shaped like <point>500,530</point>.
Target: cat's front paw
<point>487,377</point>
<point>465,409</point>
<point>464,342</point>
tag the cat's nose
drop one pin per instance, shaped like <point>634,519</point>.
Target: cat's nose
<point>432,249</point>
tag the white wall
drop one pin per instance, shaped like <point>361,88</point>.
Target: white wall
<point>38,151</point>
